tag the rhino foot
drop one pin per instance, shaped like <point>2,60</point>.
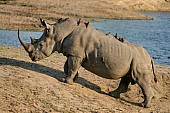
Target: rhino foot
<point>69,81</point>
<point>62,80</point>
<point>145,105</point>
<point>114,94</point>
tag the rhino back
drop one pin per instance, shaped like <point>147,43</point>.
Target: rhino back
<point>102,55</point>
<point>139,52</point>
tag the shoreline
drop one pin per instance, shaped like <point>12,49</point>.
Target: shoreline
<point>38,27</point>
<point>15,47</point>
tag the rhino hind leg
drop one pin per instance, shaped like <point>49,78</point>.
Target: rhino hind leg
<point>122,88</point>
<point>141,76</point>
<point>144,83</point>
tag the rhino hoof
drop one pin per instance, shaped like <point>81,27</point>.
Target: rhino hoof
<point>69,81</point>
<point>145,105</point>
<point>62,80</point>
<point>113,94</point>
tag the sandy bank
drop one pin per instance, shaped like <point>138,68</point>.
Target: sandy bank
<point>27,86</point>
<point>25,14</point>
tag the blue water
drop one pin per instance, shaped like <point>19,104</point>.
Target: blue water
<point>9,38</point>
<point>153,35</point>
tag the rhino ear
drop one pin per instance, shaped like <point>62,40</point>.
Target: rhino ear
<point>33,41</point>
<point>44,23</point>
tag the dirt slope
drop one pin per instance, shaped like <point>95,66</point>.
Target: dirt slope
<point>29,87</point>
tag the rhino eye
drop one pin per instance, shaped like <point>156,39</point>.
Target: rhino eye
<point>47,32</point>
<point>42,44</point>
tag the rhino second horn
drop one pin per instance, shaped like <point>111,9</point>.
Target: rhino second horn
<point>33,41</point>
<point>27,47</point>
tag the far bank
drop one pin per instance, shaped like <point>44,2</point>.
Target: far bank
<point>25,15</point>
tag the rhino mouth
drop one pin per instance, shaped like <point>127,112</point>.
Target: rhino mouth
<point>36,57</point>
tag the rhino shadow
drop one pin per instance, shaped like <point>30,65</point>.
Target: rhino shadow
<point>55,73</point>
<point>131,102</point>
<point>32,66</point>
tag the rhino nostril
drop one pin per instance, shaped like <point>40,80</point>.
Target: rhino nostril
<point>33,58</point>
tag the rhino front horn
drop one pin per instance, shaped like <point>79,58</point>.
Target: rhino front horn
<point>28,47</point>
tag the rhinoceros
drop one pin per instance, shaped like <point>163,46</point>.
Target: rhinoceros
<point>85,46</point>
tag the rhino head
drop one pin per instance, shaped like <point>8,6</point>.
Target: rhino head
<point>51,39</point>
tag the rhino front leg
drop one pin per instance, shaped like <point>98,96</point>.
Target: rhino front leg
<point>66,70</point>
<point>74,64</point>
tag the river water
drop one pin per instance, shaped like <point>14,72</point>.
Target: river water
<point>153,35</point>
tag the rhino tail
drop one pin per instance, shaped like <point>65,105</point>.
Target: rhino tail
<point>153,69</point>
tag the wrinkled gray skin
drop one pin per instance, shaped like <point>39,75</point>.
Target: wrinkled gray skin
<point>97,52</point>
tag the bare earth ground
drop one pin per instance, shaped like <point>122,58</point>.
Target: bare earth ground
<point>144,5</point>
<point>34,87</point>
<point>25,14</point>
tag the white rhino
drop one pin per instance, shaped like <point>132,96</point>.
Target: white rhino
<point>97,52</point>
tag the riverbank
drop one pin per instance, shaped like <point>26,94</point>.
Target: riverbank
<point>27,86</point>
<point>25,14</point>
<point>143,5</point>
